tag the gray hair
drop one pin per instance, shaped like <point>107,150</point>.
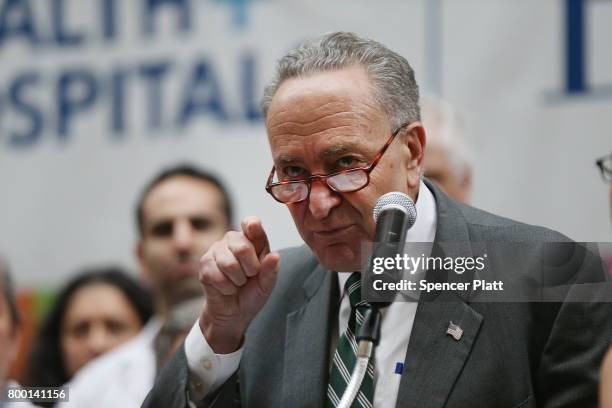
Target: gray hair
<point>392,77</point>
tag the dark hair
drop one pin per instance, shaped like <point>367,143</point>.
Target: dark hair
<point>8,292</point>
<point>46,365</point>
<point>187,170</point>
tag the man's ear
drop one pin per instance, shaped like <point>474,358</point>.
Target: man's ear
<point>145,274</point>
<point>414,139</point>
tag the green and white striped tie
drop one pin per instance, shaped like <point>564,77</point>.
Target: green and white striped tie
<point>346,354</point>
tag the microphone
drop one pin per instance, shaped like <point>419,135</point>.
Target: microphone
<point>394,214</point>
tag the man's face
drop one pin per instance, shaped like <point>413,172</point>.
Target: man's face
<point>327,122</point>
<point>182,217</point>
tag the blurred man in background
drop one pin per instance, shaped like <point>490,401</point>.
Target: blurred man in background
<point>447,159</point>
<point>179,214</point>
<point>9,337</point>
<point>605,388</point>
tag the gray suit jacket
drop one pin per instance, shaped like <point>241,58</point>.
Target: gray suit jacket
<point>510,354</point>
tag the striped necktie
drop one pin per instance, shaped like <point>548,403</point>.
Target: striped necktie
<point>346,353</point>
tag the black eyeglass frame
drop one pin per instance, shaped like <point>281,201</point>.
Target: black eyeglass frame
<point>324,177</point>
<point>606,172</point>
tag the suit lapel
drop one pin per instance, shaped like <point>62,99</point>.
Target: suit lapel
<point>434,359</point>
<point>308,331</point>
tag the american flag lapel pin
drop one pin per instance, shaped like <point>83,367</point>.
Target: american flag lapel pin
<point>454,331</point>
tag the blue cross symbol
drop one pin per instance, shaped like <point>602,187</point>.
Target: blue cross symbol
<point>239,11</point>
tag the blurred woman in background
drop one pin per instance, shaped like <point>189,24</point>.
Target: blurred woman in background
<point>97,311</point>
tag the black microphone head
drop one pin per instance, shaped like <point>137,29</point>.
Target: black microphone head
<point>398,201</point>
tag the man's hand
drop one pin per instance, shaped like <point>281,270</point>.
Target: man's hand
<point>238,274</point>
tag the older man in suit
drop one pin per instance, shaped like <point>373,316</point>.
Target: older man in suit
<point>344,127</point>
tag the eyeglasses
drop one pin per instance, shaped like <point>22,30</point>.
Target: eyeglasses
<point>605,166</point>
<point>345,181</point>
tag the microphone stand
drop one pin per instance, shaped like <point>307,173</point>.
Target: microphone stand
<point>367,338</point>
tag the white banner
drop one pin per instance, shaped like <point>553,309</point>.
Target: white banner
<point>97,95</point>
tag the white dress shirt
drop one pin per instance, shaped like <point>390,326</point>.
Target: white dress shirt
<point>209,370</point>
